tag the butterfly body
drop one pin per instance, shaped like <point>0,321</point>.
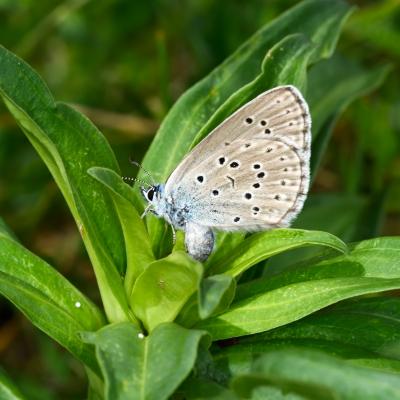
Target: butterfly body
<point>251,173</point>
<point>176,209</point>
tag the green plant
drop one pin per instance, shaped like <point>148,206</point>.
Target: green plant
<point>171,326</point>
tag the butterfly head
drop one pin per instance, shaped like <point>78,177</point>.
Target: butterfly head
<point>154,196</point>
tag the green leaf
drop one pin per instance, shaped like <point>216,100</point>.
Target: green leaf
<point>384,251</point>
<point>238,359</point>
<point>263,245</point>
<point>47,299</point>
<point>215,295</point>
<point>320,21</point>
<point>362,331</point>
<point>163,288</point>
<point>69,145</point>
<point>372,324</point>
<point>333,85</point>
<point>317,376</point>
<point>270,302</point>
<point>8,390</point>
<point>137,243</point>
<point>145,368</point>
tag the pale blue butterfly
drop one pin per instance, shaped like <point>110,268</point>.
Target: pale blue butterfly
<point>250,173</point>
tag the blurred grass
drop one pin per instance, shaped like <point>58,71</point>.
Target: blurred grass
<point>124,63</point>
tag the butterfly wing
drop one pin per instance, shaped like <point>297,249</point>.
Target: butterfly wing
<point>252,171</point>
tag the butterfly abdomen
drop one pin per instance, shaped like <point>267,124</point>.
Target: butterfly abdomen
<point>199,241</point>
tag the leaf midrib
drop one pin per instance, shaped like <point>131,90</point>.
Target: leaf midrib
<point>144,369</point>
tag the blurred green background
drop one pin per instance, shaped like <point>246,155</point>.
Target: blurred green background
<point>123,63</point>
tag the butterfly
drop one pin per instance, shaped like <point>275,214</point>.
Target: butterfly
<point>250,173</point>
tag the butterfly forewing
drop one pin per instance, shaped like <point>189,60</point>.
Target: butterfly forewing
<point>252,171</point>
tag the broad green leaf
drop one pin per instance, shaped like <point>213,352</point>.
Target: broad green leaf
<point>47,299</point>
<point>372,324</point>
<point>263,245</point>
<point>277,308</point>
<point>333,85</point>
<point>235,360</point>
<point>317,376</point>
<point>137,243</point>
<point>238,359</point>
<point>384,251</point>
<point>362,331</point>
<point>8,390</point>
<point>69,145</point>
<point>161,291</point>
<point>144,368</point>
<point>215,295</point>
<point>267,303</point>
<point>320,21</point>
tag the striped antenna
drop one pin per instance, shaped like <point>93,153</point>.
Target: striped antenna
<point>145,171</point>
<point>130,179</point>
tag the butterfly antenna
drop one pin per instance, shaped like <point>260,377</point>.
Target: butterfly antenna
<point>130,179</point>
<point>145,171</point>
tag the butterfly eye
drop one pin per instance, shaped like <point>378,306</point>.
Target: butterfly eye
<point>150,194</point>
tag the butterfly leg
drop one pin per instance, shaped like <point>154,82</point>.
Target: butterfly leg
<point>145,212</point>
<point>173,235</point>
<point>199,241</point>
